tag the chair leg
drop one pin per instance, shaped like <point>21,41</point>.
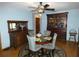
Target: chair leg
<point>33,53</point>
<point>50,53</point>
<point>53,52</point>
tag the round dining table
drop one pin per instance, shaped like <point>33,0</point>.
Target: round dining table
<point>44,40</point>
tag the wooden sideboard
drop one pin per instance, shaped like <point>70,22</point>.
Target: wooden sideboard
<point>57,23</point>
<point>17,33</point>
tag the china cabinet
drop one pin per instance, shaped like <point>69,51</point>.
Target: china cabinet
<point>57,23</point>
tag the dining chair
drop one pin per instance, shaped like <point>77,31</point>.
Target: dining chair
<point>47,33</point>
<point>51,46</point>
<point>32,46</point>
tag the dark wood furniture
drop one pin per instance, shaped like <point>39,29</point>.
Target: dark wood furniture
<point>17,32</point>
<point>57,23</point>
<point>37,21</point>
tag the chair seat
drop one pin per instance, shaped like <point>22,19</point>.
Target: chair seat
<point>32,45</point>
<point>37,47</point>
<point>51,45</point>
<point>48,46</point>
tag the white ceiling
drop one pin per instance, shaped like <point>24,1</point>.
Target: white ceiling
<point>59,6</point>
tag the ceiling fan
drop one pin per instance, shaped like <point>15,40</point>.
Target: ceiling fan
<point>41,8</point>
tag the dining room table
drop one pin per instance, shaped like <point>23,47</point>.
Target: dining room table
<point>43,40</point>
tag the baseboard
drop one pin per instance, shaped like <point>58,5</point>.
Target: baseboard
<point>6,48</point>
<point>0,41</point>
<point>72,41</point>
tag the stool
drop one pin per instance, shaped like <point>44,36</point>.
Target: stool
<point>72,35</point>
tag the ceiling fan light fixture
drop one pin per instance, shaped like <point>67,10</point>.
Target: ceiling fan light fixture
<point>40,15</point>
<point>41,7</point>
<point>40,11</point>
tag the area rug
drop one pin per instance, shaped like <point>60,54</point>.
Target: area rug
<point>58,52</point>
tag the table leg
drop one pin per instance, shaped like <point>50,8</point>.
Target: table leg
<point>42,51</point>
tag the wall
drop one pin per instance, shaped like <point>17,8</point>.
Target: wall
<point>12,13</point>
<point>72,22</point>
<point>43,21</point>
<point>0,41</point>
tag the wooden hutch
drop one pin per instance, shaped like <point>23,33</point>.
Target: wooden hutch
<point>17,32</point>
<point>57,23</point>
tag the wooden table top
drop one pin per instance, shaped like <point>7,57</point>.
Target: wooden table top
<point>43,40</point>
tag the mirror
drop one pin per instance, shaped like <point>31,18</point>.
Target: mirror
<point>13,26</point>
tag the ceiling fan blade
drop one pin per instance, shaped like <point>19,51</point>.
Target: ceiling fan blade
<point>50,9</point>
<point>46,5</point>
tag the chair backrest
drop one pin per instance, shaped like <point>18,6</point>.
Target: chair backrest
<point>54,39</point>
<point>31,42</point>
<point>72,31</point>
<point>47,33</point>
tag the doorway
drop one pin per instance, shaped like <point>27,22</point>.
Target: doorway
<point>37,21</point>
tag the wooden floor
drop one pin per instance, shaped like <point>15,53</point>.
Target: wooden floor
<point>69,48</point>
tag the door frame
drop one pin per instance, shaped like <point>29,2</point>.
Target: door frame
<point>0,41</point>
